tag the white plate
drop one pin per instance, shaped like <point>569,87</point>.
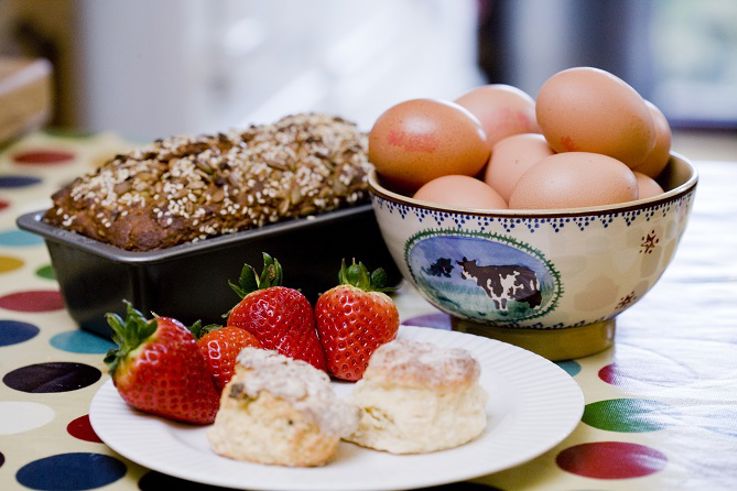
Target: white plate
<point>533,405</point>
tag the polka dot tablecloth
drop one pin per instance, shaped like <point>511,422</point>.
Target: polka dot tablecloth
<point>661,406</point>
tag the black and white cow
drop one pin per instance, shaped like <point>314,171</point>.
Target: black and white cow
<point>503,283</point>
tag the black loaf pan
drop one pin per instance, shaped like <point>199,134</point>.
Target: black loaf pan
<point>190,281</point>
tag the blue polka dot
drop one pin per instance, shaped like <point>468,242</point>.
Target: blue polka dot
<point>18,181</point>
<point>570,366</point>
<point>19,238</point>
<point>81,342</point>
<point>71,471</point>
<point>14,332</point>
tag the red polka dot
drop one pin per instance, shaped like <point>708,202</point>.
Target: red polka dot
<point>43,157</point>
<point>610,374</point>
<point>3,204</point>
<point>635,376</point>
<point>32,301</point>
<point>81,428</point>
<point>611,460</point>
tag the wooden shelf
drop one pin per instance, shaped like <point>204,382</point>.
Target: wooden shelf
<point>25,96</point>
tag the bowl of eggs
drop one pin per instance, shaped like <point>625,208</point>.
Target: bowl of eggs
<point>532,221</point>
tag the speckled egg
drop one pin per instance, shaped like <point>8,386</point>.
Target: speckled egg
<point>585,109</point>
<point>461,192</point>
<point>502,109</point>
<point>574,179</point>
<point>512,157</point>
<point>418,140</point>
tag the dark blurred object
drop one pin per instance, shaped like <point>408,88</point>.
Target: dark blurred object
<point>679,54</point>
<point>25,96</point>
<point>190,281</point>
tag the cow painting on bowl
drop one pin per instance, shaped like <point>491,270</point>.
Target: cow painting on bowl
<point>513,273</point>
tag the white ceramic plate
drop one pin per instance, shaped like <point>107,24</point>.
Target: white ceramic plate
<point>533,405</point>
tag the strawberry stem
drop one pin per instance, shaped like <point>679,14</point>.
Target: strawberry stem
<point>200,331</point>
<point>356,274</point>
<point>128,334</point>
<point>249,281</point>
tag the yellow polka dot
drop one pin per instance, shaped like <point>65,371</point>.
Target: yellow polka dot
<point>8,263</point>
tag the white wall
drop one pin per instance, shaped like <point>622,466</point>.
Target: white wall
<point>188,66</point>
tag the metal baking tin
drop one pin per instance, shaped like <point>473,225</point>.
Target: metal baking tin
<point>190,281</point>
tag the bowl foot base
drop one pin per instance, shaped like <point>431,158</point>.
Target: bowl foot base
<point>553,344</point>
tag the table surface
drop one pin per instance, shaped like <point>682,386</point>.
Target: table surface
<point>661,406</point>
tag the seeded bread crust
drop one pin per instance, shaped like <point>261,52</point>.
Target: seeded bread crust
<point>185,189</point>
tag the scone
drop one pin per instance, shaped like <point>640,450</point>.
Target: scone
<point>276,410</point>
<point>416,397</point>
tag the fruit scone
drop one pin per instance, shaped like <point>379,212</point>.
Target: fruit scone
<point>416,397</point>
<point>276,410</point>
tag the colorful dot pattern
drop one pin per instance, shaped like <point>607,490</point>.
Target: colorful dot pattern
<point>17,181</point>
<point>657,404</point>
<point>82,429</point>
<point>71,471</point>
<point>611,460</point>
<point>627,415</point>
<point>43,157</point>
<point>14,332</point>
<point>32,301</point>
<point>46,272</point>
<point>18,238</point>
<point>51,377</point>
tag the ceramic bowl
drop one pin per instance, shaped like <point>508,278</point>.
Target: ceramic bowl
<point>536,270</point>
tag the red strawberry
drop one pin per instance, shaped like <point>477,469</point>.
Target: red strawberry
<point>353,319</point>
<point>158,369</point>
<point>281,318</point>
<point>220,347</point>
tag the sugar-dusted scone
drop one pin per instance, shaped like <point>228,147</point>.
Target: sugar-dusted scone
<point>276,410</point>
<point>416,397</point>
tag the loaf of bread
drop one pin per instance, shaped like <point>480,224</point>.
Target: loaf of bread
<point>184,189</point>
<point>416,397</point>
<point>280,411</point>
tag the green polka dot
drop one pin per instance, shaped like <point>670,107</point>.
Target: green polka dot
<point>46,272</point>
<point>627,415</point>
<point>8,263</point>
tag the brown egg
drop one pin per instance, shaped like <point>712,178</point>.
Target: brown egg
<point>502,109</point>
<point>421,139</point>
<point>574,179</point>
<point>585,109</point>
<point>658,157</point>
<point>646,186</point>
<point>511,158</point>
<point>460,192</point>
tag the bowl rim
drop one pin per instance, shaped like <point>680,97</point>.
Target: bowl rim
<point>686,187</point>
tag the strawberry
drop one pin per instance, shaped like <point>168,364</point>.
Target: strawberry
<point>158,369</point>
<point>353,319</point>
<point>280,318</point>
<point>220,347</point>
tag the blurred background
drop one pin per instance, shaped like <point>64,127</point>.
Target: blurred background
<point>145,69</point>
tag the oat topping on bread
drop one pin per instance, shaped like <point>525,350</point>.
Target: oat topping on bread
<point>183,189</point>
